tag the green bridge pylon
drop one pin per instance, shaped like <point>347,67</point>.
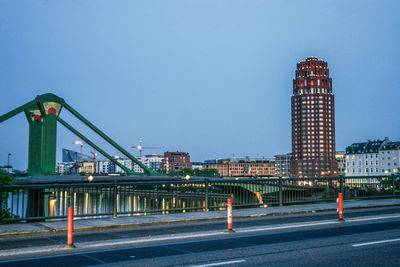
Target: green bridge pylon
<point>42,114</point>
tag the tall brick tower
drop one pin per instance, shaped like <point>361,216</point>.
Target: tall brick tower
<point>313,121</point>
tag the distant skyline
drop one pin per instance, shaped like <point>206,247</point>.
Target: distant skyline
<point>212,78</point>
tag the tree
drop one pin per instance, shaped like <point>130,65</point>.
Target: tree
<point>5,179</point>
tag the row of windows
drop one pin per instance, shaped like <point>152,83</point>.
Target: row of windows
<point>372,155</point>
<point>316,64</point>
<point>315,102</point>
<point>312,91</point>
<point>312,124</point>
<point>305,155</point>
<point>316,163</point>
<point>307,73</point>
<point>372,170</point>
<point>388,164</point>
<point>321,157</point>
<point>315,97</point>
<point>316,150</point>
<point>312,118</point>
<point>312,168</point>
<point>311,113</point>
<point>309,139</point>
<point>312,82</point>
<point>382,158</point>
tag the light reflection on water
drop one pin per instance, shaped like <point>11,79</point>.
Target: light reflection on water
<point>101,203</point>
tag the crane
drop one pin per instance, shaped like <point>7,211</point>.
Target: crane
<point>140,147</point>
<point>81,143</point>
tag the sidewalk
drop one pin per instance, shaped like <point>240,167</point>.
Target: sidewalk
<point>21,229</point>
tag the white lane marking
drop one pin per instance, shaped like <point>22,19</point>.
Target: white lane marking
<point>218,263</point>
<point>149,239</point>
<point>372,218</point>
<point>246,230</point>
<point>376,242</point>
<point>15,252</point>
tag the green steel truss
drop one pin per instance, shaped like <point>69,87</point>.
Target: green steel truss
<point>42,114</point>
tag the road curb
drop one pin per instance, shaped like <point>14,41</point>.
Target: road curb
<point>218,218</point>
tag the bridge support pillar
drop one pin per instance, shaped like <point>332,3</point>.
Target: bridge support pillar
<point>49,144</point>
<point>35,147</point>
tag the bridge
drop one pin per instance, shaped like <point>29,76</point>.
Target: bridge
<point>42,114</point>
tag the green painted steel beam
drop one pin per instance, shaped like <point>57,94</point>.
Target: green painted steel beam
<point>49,144</point>
<point>20,109</point>
<point>110,141</point>
<point>72,129</point>
<point>35,148</point>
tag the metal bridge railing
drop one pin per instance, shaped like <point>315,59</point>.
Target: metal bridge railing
<point>130,198</point>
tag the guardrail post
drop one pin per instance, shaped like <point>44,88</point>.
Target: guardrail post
<point>115,198</point>
<point>339,200</point>
<point>229,214</point>
<point>70,241</point>
<point>280,192</point>
<point>206,200</point>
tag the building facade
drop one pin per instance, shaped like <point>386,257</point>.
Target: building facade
<point>64,167</point>
<point>242,167</point>
<point>105,167</point>
<point>152,161</point>
<point>125,162</point>
<point>87,167</point>
<point>282,165</point>
<point>341,161</point>
<point>373,158</point>
<point>176,161</point>
<point>197,165</point>
<point>313,121</point>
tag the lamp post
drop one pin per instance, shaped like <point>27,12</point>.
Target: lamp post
<point>8,162</point>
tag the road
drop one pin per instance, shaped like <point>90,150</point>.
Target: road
<point>311,239</point>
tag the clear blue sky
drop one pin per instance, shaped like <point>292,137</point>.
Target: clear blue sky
<point>213,78</point>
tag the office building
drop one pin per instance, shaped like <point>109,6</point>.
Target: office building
<point>341,161</point>
<point>151,161</point>
<point>313,121</point>
<point>176,161</point>
<point>282,165</point>
<point>242,167</point>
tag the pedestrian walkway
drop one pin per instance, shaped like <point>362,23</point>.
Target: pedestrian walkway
<point>21,229</point>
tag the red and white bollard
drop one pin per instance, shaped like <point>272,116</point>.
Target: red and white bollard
<point>70,243</point>
<point>229,214</point>
<point>339,200</point>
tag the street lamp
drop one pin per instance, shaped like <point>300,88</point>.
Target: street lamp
<point>94,160</point>
<point>8,162</point>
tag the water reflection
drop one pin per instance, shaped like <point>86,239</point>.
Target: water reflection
<point>101,203</point>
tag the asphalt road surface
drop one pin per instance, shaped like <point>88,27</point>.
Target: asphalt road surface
<point>312,241</point>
